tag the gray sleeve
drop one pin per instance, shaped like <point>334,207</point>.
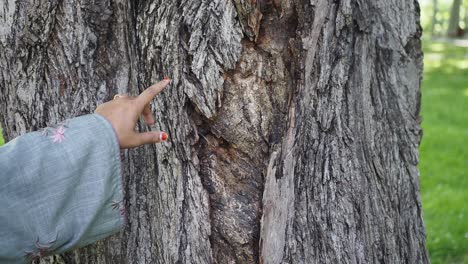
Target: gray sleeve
<point>61,188</point>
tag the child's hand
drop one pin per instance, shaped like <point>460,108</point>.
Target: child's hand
<point>123,113</point>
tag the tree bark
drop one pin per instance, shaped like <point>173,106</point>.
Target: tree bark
<point>454,21</point>
<point>293,125</point>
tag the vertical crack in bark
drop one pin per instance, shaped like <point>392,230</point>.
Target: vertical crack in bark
<point>234,145</point>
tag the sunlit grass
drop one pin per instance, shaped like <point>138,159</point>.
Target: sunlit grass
<point>444,155</point>
<point>465,92</point>
<point>442,48</point>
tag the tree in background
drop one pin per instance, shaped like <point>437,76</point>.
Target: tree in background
<point>437,15</point>
<point>466,18</point>
<point>434,19</point>
<point>454,22</point>
<point>293,125</point>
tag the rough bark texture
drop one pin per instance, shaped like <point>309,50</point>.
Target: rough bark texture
<point>293,125</point>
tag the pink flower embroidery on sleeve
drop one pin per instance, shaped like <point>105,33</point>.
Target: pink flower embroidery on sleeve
<point>58,134</point>
<point>120,206</point>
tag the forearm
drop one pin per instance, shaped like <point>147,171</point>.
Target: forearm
<point>61,188</point>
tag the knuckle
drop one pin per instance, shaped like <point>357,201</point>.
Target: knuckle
<point>156,137</point>
<point>153,91</point>
<point>131,105</point>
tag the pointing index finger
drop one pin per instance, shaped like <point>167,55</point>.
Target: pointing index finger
<point>147,95</point>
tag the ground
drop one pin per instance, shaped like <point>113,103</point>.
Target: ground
<point>443,152</point>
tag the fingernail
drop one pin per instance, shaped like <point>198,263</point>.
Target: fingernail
<point>163,136</point>
<point>167,79</point>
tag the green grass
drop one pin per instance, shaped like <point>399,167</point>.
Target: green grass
<point>443,151</point>
<point>1,137</point>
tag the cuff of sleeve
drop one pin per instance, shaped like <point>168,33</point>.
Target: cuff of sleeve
<point>98,195</point>
<point>62,188</point>
<point>118,162</point>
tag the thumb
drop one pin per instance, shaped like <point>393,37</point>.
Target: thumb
<point>151,137</point>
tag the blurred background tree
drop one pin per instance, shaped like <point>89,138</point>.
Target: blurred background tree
<point>454,29</point>
<point>441,18</point>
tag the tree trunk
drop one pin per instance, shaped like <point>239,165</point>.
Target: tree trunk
<point>293,125</point>
<point>454,21</point>
<point>465,28</point>
<point>434,20</point>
